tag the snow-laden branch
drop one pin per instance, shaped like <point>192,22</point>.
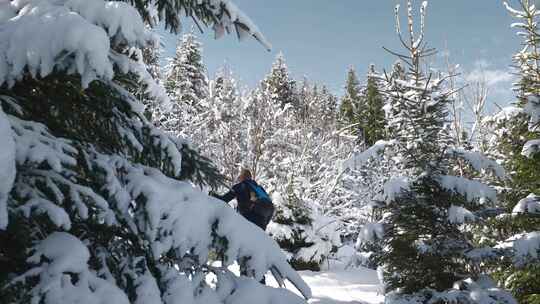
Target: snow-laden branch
<point>530,204</point>
<point>36,145</point>
<point>472,190</point>
<point>480,162</point>
<point>516,13</point>
<point>243,24</point>
<point>460,215</point>
<point>525,247</point>
<point>60,260</point>
<point>359,159</point>
<point>175,216</point>
<point>530,148</point>
<point>395,186</point>
<point>370,232</point>
<point>31,40</point>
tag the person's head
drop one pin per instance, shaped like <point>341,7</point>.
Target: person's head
<point>245,174</point>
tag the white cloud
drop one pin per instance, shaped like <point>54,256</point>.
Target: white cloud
<point>491,77</point>
<point>499,81</point>
<point>484,71</point>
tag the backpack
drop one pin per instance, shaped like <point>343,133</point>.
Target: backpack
<point>262,203</point>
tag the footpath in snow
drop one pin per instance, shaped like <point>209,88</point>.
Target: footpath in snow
<point>353,286</point>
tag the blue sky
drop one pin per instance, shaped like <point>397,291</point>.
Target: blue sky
<point>322,38</point>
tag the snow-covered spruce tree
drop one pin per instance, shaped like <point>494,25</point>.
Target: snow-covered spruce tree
<point>373,118</point>
<point>316,166</point>
<point>223,139</point>
<point>324,107</point>
<point>95,202</point>
<point>279,84</point>
<point>304,96</point>
<point>261,130</point>
<point>186,80</point>
<point>517,142</point>
<point>284,151</point>
<point>351,102</point>
<point>424,243</point>
<point>325,146</point>
<point>365,172</point>
<point>306,235</point>
<point>150,56</point>
<point>362,107</point>
<point>365,175</point>
<point>291,225</point>
<point>519,215</point>
<point>186,84</point>
<point>272,151</point>
<point>271,124</point>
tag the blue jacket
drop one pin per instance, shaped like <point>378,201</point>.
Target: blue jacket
<point>241,192</point>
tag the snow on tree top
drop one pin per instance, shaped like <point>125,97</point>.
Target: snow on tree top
<point>525,246</point>
<point>459,215</point>
<point>504,114</point>
<point>96,36</point>
<point>531,147</point>
<point>61,256</point>
<point>472,190</point>
<point>361,158</point>
<point>395,186</point>
<point>530,204</point>
<point>30,37</point>
<point>480,163</point>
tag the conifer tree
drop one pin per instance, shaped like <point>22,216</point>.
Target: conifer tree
<point>186,79</point>
<point>323,112</point>
<point>351,102</point>
<point>261,130</point>
<point>151,57</point>
<point>426,208</point>
<point>362,107</point>
<point>304,99</point>
<point>518,145</point>
<point>291,226</point>
<point>286,145</point>
<point>270,111</point>
<point>279,84</point>
<point>373,118</point>
<point>186,84</point>
<point>97,204</point>
<point>223,139</point>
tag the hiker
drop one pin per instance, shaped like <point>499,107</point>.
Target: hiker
<point>253,203</point>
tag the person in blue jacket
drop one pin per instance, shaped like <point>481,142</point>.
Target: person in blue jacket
<point>248,204</point>
<point>243,192</point>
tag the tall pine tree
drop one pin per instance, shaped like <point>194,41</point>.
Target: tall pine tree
<point>373,117</point>
<point>279,84</point>
<point>362,107</point>
<point>518,143</point>
<point>186,79</point>
<point>351,102</point>
<point>222,138</point>
<point>186,84</point>
<point>425,240</point>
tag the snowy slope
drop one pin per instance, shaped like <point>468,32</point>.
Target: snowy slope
<point>354,286</point>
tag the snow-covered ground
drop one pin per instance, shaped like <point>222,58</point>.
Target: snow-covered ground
<point>353,286</point>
